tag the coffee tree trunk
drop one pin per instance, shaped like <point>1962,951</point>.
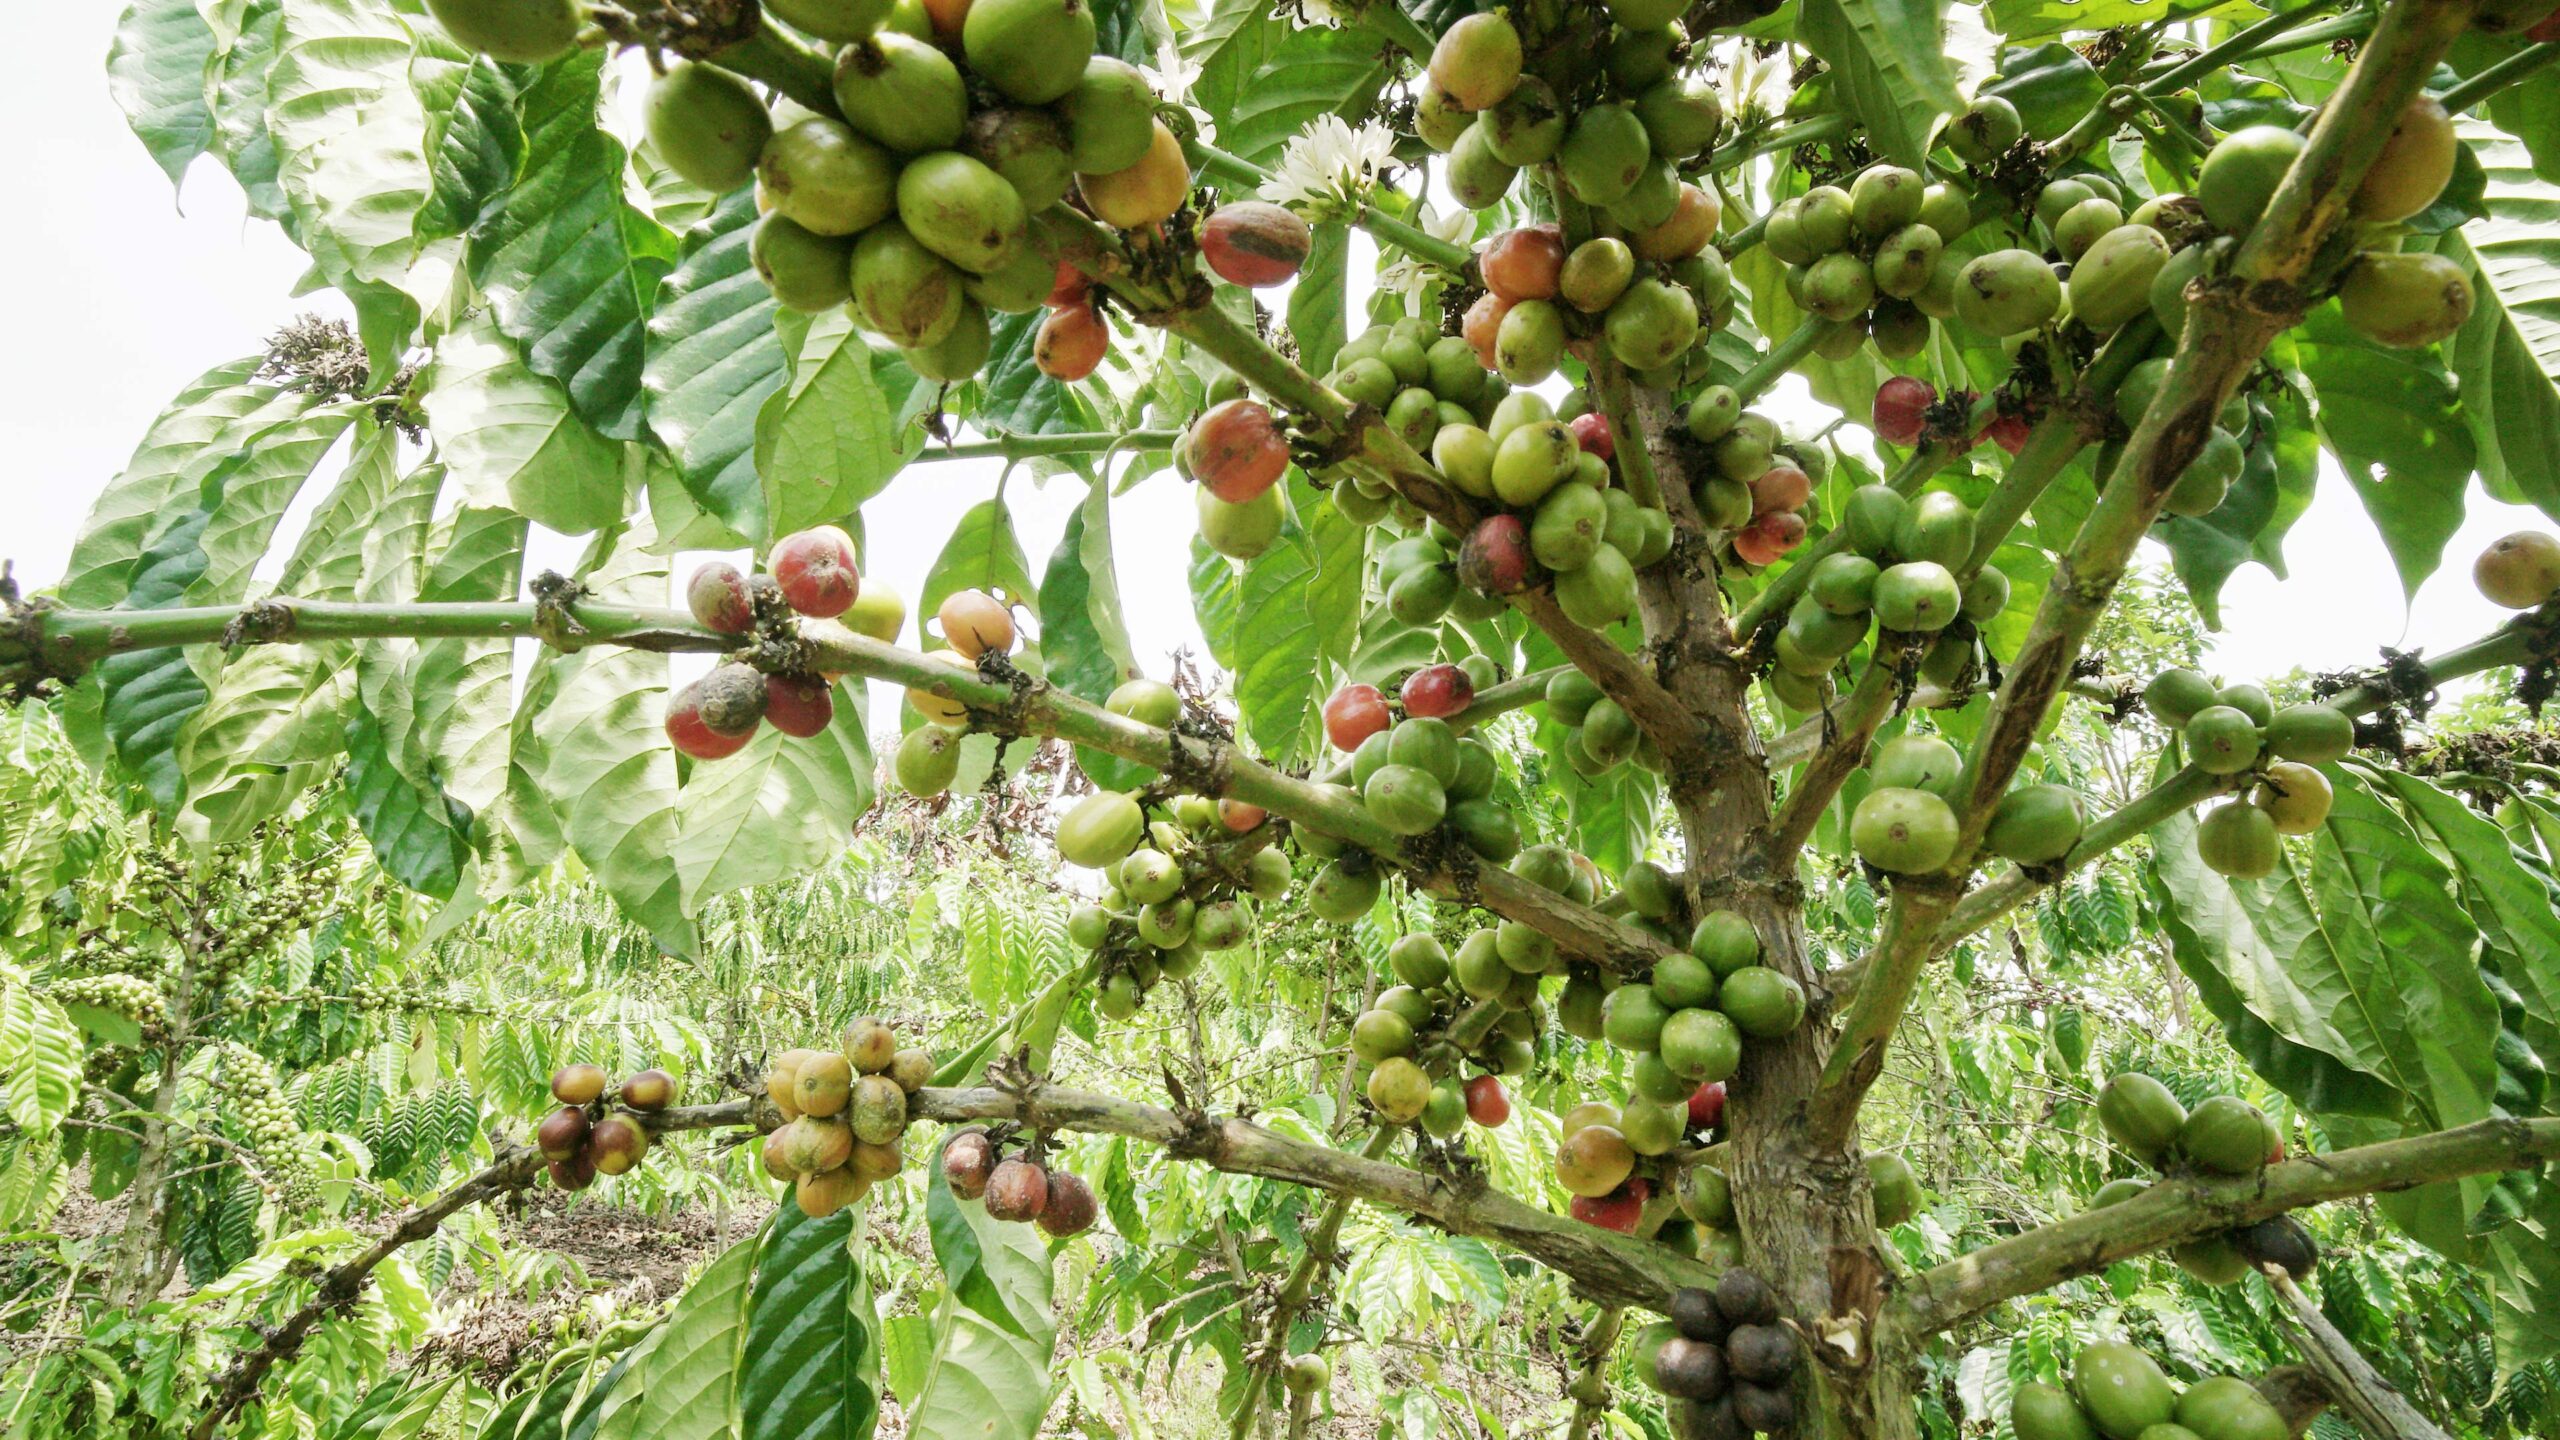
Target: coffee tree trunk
<point>143,1258</point>
<point>1801,1199</point>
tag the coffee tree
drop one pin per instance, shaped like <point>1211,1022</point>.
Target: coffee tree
<point>2087,275</point>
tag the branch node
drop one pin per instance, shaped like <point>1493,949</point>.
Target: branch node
<point>553,624</point>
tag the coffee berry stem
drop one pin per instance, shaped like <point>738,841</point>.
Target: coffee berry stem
<point>1004,445</point>
<point>2527,62</point>
<point>2238,45</point>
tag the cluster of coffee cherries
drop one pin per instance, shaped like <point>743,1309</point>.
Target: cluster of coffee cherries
<point>974,624</point>
<point>1899,570</point>
<point>1609,1161</point>
<point>1647,300</point>
<point>1866,257</point>
<point>1618,153</point>
<point>1020,1188</point>
<point>1414,775</point>
<point>253,1100</point>
<point>2119,1392</point>
<point>1236,453</point>
<point>1179,874</point>
<point>844,1112</point>
<point>1724,1358</point>
<point>2223,1135</point>
<point>1757,484</point>
<point>2237,731</point>
<point>1425,385</point>
<point>130,996</point>
<point>1600,735</point>
<point>1905,822</point>
<point>809,572</point>
<point>587,1137</point>
<point>1415,1061</point>
<point>917,206</point>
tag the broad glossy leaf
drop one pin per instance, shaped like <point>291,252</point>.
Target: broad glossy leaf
<point>606,761</point>
<point>156,72</point>
<point>2273,490</point>
<point>1082,635</point>
<point>2228,940</point>
<point>1890,68</point>
<point>1319,300</point>
<point>350,135</point>
<point>464,689</point>
<point>831,440</point>
<point>688,1382</point>
<point>236,83</point>
<point>2392,419</point>
<point>781,807</point>
<point>983,553</point>
<point>2052,86</point>
<point>2356,952</point>
<point>203,424</point>
<point>414,833</point>
<point>2023,20</point>
<point>509,437</point>
<point>2507,355</point>
<point>274,722</point>
<point>1217,591</point>
<point>475,140</point>
<point>985,1381</point>
<point>260,483</point>
<point>2530,112</point>
<point>1279,642</point>
<point>2509,903</point>
<point>713,361</point>
<point>1341,549</point>
<point>150,695</point>
<point>1271,77</point>
<point>812,1358</point>
<point>570,266</point>
<point>202,556</point>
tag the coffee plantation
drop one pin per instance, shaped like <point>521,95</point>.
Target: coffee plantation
<point>1671,484</point>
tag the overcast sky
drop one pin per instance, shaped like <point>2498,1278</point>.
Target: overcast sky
<point>125,292</point>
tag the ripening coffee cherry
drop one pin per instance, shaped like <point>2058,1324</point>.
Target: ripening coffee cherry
<point>1071,342</point>
<point>799,705</point>
<point>1436,691</point>
<point>816,570</point>
<point>718,597</point>
<point>1236,450</point>
<point>1902,408</point>
<point>2519,571</point>
<point>649,1091</point>
<point>1254,243</point>
<point>691,735</point>
<point>577,1084</point>
<point>975,622</point>
<point>1353,714</point>
<point>1524,264</point>
<point>1477,61</point>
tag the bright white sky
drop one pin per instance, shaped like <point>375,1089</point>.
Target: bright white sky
<point>124,293</point>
